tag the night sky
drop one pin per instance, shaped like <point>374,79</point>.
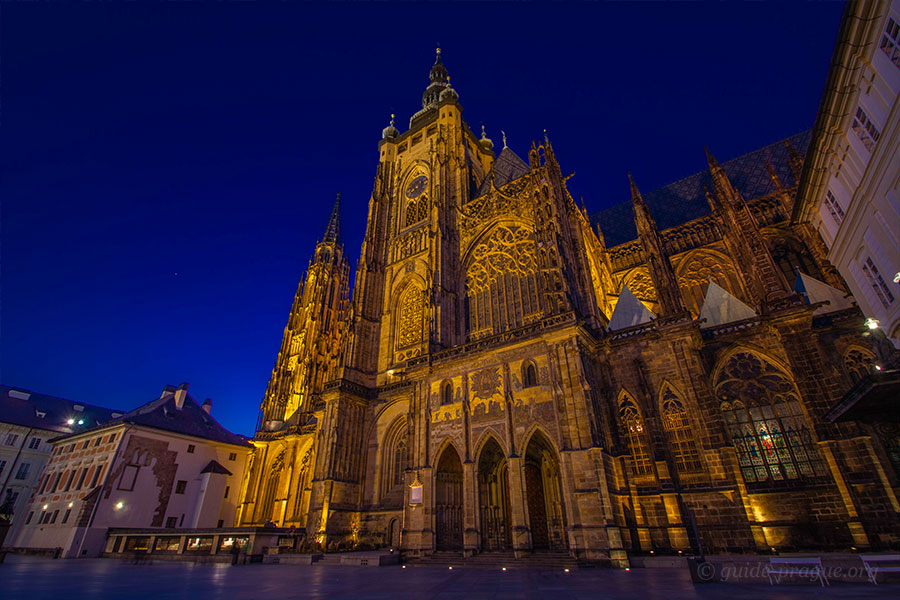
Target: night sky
<point>166,169</point>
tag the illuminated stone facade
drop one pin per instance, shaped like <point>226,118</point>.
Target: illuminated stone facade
<point>476,361</point>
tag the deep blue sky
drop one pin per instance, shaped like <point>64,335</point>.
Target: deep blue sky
<point>167,168</point>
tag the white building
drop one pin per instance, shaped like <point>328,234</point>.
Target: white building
<point>27,421</point>
<point>850,189</point>
<point>167,464</point>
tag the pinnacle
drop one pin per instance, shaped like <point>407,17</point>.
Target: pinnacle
<point>635,193</point>
<point>333,231</point>
<point>713,163</point>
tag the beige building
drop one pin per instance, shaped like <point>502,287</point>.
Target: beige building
<point>27,421</point>
<point>850,189</point>
<point>165,465</point>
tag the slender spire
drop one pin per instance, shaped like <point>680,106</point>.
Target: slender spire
<point>668,292</point>
<point>774,176</point>
<point>333,231</point>
<point>503,133</point>
<point>795,161</point>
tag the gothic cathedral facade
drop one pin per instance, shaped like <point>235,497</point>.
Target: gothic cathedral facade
<point>514,374</point>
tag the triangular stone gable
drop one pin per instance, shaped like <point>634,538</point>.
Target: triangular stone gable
<point>816,291</point>
<point>720,307</point>
<point>629,311</point>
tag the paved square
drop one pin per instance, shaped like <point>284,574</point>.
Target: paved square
<point>30,578</point>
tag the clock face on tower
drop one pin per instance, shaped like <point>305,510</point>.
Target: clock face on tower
<point>416,186</point>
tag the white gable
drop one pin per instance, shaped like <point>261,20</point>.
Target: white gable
<point>720,307</point>
<point>629,311</point>
<point>816,291</point>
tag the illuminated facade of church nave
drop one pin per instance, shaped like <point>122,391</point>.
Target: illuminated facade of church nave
<point>516,374</point>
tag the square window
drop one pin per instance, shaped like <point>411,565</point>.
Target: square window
<point>11,439</point>
<point>66,515</point>
<point>180,486</point>
<point>191,448</point>
<point>34,444</point>
<point>22,473</point>
<point>171,522</point>
<point>232,456</point>
<point>227,488</point>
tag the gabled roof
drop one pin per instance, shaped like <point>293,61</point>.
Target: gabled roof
<point>215,467</point>
<point>816,291</point>
<point>507,167</point>
<point>629,311</point>
<point>685,200</point>
<point>720,307</point>
<point>23,407</point>
<point>190,419</point>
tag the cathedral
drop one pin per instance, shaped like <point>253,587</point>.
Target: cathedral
<point>514,374</point>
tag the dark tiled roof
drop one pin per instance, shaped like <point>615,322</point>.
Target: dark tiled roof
<point>215,467</point>
<point>28,409</point>
<point>507,167</point>
<point>190,419</point>
<point>685,200</point>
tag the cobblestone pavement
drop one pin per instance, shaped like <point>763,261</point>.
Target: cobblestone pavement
<point>31,578</point>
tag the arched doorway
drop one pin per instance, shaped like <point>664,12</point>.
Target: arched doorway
<point>493,498</point>
<point>546,516</point>
<point>448,501</point>
<point>394,534</point>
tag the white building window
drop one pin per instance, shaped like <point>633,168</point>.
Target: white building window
<point>865,129</point>
<point>890,42</point>
<point>878,283</point>
<point>22,473</point>
<point>834,207</point>
<point>11,439</point>
<point>35,443</point>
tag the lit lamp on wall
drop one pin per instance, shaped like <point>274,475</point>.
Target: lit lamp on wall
<point>415,491</point>
<point>872,323</point>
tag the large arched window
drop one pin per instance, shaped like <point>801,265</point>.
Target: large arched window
<point>635,435</point>
<point>502,287</point>
<point>681,438</point>
<point>416,210</point>
<point>411,308</point>
<point>858,363</point>
<point>791,256</point>
<point>762,411</point>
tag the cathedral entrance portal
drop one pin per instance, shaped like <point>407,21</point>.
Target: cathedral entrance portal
<point>493,498</point>
<point>543,495</point>
<point>448,503</point>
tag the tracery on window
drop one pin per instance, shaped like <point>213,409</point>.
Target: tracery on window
<point>762,411</point>
<point>635,435</point>
<point>858,363</point>
<point>681,437</point>
<point>411,318</point>
<point>416,210</point>
<point>695,273</point>
<point>502,290</point>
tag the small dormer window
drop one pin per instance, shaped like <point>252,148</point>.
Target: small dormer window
<point>191,448</point>
<point>78,408</point>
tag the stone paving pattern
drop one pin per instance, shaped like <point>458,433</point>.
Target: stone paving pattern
<point>43,578</point>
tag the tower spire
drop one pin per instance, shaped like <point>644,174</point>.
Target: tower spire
<point>439,80</point>
<point>333,231</point>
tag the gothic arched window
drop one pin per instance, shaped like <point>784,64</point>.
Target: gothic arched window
<point>698,269</point>
<point>446,393</point>
<point>791,257</point>
<point>681,438</point>
<point>858,363</point>
<point>635,436</point>
<point>411,318</point>
<point>394,456</point>
<point>502,286</point>
<point>529,374</point>
<point>762,411</point>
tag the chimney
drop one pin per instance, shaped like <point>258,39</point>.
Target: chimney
<point>167,389</point>
<point>180,395</point>
<point>207,405</point>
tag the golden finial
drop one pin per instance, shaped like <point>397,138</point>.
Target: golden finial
<point>438,50</point>
<point>504,138</point>
<point>483,135</point>
<point>392,118</point>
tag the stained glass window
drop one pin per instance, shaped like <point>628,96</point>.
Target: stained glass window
<point>412,312</point>
<point>762,411</point>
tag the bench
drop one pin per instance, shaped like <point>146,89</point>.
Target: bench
<point>872,561</point>
<point>811,567</point>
